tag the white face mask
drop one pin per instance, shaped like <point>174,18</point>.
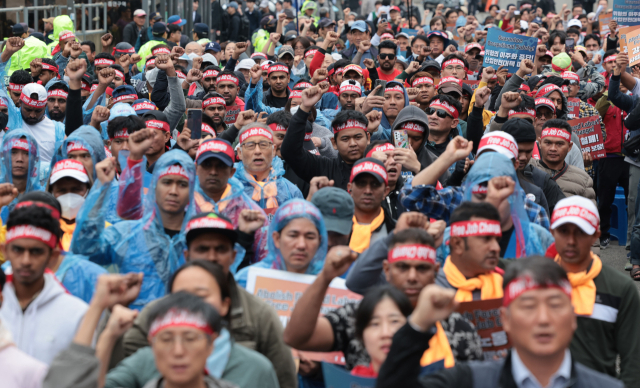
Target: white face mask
<point>70,204</point>
<point>294,109</point>
<point>350,23</point>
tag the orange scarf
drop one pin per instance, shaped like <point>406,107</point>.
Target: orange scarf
<point>266,190</point>
<point>206,206</point>
<point>490,285</point>
<point>583,288</point>
<point>67,233</point>
<point>361,233</point>
<point>439,349</point>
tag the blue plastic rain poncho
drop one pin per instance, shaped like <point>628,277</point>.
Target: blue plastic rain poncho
<point>79,275</point>
<point>272,192</point>
<point>22,140</point>
<point>230,206</point>
<point>384,129</point>
<point>141,244</point>
<point>528,238</point>
<point>295,208</point>
<point>49,84</point>
<point>88,111</point>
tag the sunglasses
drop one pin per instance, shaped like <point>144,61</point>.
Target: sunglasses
<point>387,56</point>
<point>441,113</point>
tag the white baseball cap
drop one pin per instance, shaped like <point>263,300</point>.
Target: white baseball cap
<point>139,12</point>
<point>32,88</point>
<point>500,142</point>
<point>576,210</point>
<point>68,168</point>
<point>574,23</point>
<point>246,64</point>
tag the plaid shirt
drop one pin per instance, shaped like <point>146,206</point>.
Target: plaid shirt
<point>439,204</point>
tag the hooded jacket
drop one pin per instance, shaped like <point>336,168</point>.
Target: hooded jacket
<point>33,169</point>
<point>60,23</point>
<point>262,192</point>
<point>49,323</point>
<point>296,208</point>
<point>49,84</point>
<point>140,245</point>
<point>33,48</point>
<point>231,206</point>
<point>571,179</point>
<point>79,276</point>
<point>384,129</point>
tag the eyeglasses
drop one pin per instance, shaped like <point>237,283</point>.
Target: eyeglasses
<point>387,56</point>
<point>189,341</point>
<point>251,145</point>
<point>441,113</point>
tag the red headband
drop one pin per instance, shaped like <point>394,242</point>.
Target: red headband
<point>208,223</point>
<point>295,94</point>
<point>126,97</point>
<point>46,66</point>
<point>228,78</point>
<point>177,317</point>
<point>351,88</point>
<point>275,127</point>
<point>54,212</point>
<point>422,81</point>
<point>93,88</point>
<point>380,148</point>
<point>387,35</point>
<point>414,252</point>
<point>479,189</point>
<point>556,132</point>
<point>610,58</point>
<point>15,87</point>
<point>119,73</point>
<point>127,51</point>
<point>32,103</point>
<point>475,228</point>
<point>180,74</point>
<point>67,35</point>
<point>275,68</point>
<point>213,101</point>
<point>369,167</point>
<point>255,131</point>
<point>103,62</point>
<point>522,284</point>
<point>396,89</point>
<point>76,146</point>
<point>496,140</point>
<point>57,93</point>
<point>571,75</point>
<point>210,73</point>
<point>144,106</point>
<point>547,89</point>
<point>160,50</point>
<point>350,124</point>
<point>20,144</point>
<point>85,86</point>
<point>157,124</point>
<point>353,67</point>
<point>450,79</point>
<point>575,211</point>
<point>151,61</point>
<point>208,129</point>
<point>445,105</point>
<point>31,232</point>
<point>528,112</point>
<point>176,169</point>
<point>121,134</point>
<point>310,52</point>
<point>410,126</point>
<point>305,85</point>
<point>453,62</point>
<point>216,146</point>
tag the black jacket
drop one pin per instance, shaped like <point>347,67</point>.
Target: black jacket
<point>402,369</point>
<point>391,203</point>
<point>296,180</point>
<point>130,33</point>
<point>74,111</point>
<point>270,100</point>
<point>217,17</point>
<point>306,165</point>
<point>232,27</point>
<point>550,188</point>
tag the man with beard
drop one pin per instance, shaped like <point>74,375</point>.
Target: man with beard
<point>18,79</point>
<point>387,59</point>
<point>57,101</point>
<point>423,81</point>
<point>350,91</point>
<point>214,106</point>
<point>278,78</point>
<point>227,85</point>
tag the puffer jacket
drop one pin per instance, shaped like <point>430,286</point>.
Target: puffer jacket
<point>571,180</point>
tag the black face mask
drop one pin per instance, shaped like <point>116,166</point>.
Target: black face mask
<point>271,29</point>
<point>4,120</point>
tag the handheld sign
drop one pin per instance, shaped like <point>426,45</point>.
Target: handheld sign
<point>508,50</point>
<point>573,105</point>
<point>626,13</point>
<point>282,290</point>
<point>485,316</point>
<point>603,21</point>
<point>630,43</point>
<point>409,31</point>
<point>590,135</point>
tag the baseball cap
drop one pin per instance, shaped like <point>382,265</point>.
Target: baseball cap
<point>326,22</point>
<point>142,106</point>
<point>286,50</point>
<point>467,89</point>
<point>337,208</point>
<point>472,46</point>
<point>215,148</point>
<point>68,168</point>
<point>200,28</point>
<point>30,89</point>
<point>290,35</point>
<point>441,35</point>
<point>267,20</point>
<point>124,92</point>
<point>213,46</point>
<point>18,29</point>
<point>48,20</point>
<point>428,64</point>
<point>352,67</point>
<point>245,64</point>
<point>258,56</point>
<point>500,142</point>
<point>156,17</point>
<point>576,210</point>
<point>402,34</point>
<point>233,4</point>
<point>369,166</point>
<point>360,26</point>
<point>264,4</point>
<point>545,102</point>
<point>208,58</point>
<point>289,13</point>
<point>210,222</point>
<point>394,8</point>
<point>137,12</point>
<point>573,23</point>
<point>159,28</point>
<point>175,19</point>
<point>450,84</point>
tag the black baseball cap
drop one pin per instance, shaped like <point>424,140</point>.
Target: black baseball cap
<point>200,28</point>
<point>210,223</point>
<point>159,28</point>
<point>216,148</point>
<point>337,207</point>
<point>370,166</point>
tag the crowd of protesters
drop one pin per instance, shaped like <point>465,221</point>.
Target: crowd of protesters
<point>368,145</point>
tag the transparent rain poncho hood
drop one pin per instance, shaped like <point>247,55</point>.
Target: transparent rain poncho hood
<point>295,208</point>
<point>49,84</point>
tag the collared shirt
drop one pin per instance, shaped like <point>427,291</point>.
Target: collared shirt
<point>439,204</point>
<point>525,379</point>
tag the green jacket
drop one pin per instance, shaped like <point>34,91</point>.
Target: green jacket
<point>60,23</point>
<point>259,39</point>
<point>145,51</point>
<point>33,48</point>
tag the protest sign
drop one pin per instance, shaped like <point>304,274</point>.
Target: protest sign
<point>626,12</point>
<point>337,377</point>
<point>472,84</point>
<point>485,316</point>
<point>590,134</point>
<point>282,290</point>
<point>573,107</point>
<point>630,43</point>
<point>505,49</point>
<point>603,21</point>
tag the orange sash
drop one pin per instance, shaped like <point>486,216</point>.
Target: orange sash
<point>361,234</point>
<point>439,349</point>
<point>583,288</point>
<point>206,206</point>
<point>266,190</point>
<point>490,284</point>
